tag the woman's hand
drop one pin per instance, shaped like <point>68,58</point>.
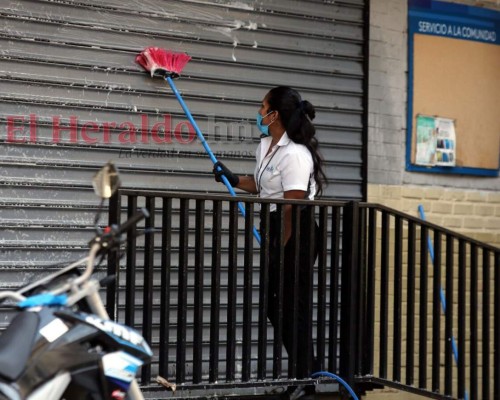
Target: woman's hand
<point>246,183</point>
<point>221,170</point>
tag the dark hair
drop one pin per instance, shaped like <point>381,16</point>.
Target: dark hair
<point>297,115</point>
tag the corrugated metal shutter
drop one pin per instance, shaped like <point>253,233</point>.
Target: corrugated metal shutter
<point>72,98</point>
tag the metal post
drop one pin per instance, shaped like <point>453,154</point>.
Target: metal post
<point>349,293</point>
<point>113,259</point>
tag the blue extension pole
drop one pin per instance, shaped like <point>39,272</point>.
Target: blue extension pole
<point>241,207</point>
<point>441,291</point>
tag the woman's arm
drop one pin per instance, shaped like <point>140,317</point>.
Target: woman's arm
<point>247,183</point>
<point>292,195</point>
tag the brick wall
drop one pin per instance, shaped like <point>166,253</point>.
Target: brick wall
<point>475,213</point>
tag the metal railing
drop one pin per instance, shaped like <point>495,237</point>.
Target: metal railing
<point>430,298</point>
<point>198,290</point>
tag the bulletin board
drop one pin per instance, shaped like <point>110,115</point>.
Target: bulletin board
<point>454,76</point>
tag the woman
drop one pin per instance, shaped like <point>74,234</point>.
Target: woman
<point>288,167</point>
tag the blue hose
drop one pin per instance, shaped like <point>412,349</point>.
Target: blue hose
<point>338,379</point>
<point>241,207</point>
<point>441,293</point>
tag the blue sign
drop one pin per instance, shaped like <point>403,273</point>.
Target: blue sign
<point>454,21</point>
<point>451,20</point>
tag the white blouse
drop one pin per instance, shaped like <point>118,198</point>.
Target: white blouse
<point>289,166</point>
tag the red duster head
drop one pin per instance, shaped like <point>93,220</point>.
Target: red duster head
<point>161,62</point>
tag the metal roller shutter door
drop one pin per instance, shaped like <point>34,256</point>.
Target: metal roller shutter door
<point>72,64</point>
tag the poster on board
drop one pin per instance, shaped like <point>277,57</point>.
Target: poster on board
<point>445,142</point>
<point>435,141</point>
<point>426,141</point>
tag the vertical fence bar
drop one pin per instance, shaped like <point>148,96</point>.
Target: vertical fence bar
<point>486,327</point>
<point>474,309</point>
<point>113,259</point>
<point>349,290</point>
<point>422,337</point>
<point>296,228</point>
<point>398,296</point>
<point>263,291</point>
<point>410,305</point>
<point>130,271</point>
<point>461,318</point>
<point>333,334</point>
<point>182,290</point>
<point>448,355</point>
<point>384,294</point>
<point>247,294</point>
<point>322,272</point>
<point>277,303</point>
<point>215,292</point>
<point>436,313</point>
<point>362,282</point>
<point>199,264</point>
<point>166,253</point>
<point>496,337</point>
<point>231,291</point>
<point>370,294</point>
<point>311,233</point>
<point>147,306</point>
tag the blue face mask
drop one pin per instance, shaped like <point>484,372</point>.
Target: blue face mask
<point>264,129</point>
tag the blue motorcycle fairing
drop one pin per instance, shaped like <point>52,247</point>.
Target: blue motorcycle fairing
<point>125,337</point>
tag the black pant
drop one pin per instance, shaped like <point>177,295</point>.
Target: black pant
<point>303,324</point>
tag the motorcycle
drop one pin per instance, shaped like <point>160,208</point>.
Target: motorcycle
<point>62,344</point>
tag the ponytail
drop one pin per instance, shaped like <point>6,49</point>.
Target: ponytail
<point>297,116</point>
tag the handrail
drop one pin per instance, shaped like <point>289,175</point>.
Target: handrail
<point>428,224</point>
<point>224,197</point>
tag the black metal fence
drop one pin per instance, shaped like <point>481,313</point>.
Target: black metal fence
<point>430,299</point>
<point>198,287</point>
